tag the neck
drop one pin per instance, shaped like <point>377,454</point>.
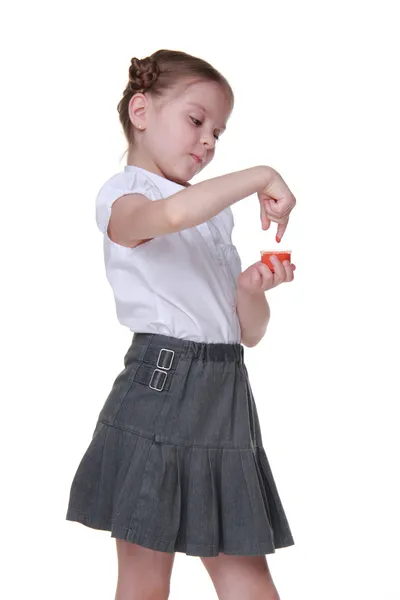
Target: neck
<point>146,163</point>
<point>142,162</point>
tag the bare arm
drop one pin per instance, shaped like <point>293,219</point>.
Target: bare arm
<point>136,217</point>
<point>254,313</point>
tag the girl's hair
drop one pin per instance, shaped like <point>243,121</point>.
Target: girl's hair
<point>160,72</point>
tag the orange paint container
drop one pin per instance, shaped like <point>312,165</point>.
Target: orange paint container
<point>281,254</point>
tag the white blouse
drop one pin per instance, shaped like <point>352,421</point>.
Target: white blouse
<point>182,284</point>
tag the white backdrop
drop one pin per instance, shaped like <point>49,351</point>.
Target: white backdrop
<point>317,98</point>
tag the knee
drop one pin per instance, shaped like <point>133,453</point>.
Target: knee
<point>156,593</point>
<point>150,592</point>
<point>160,592</point>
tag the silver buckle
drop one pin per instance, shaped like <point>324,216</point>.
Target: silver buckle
<point>163,383</point>
<point>159,356</point>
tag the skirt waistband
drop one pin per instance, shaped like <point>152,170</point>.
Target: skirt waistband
<point>155,343</point>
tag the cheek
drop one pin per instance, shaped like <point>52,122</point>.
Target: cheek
<point>171,128</point>
<point>184,134</point>
<point>210,155</point>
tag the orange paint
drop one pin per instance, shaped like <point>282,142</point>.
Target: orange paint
<point>281,254</point>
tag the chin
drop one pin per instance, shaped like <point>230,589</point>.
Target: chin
<point>179,181</point>
<point>183,176</point>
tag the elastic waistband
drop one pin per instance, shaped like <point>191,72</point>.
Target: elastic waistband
<point>187,348</point>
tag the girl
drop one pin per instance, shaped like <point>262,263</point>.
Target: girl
<point>176,462</point>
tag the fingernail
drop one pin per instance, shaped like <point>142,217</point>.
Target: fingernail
<point>278,239</point>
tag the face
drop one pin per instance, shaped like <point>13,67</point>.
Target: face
<point>181,130</point>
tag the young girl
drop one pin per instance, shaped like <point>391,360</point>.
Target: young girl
<point>176,462</point>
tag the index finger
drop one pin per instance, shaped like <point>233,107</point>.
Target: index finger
<point>281,230</point>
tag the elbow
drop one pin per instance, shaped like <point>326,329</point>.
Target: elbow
<point>173,216</point>
<point>249,343</point>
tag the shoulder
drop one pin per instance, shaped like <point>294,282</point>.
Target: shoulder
<point>129,181</point>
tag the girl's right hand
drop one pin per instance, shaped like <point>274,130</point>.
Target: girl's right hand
<point>259,277</point>
<point>276,204</point>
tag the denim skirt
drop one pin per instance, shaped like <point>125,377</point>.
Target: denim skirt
<point>176,461</point>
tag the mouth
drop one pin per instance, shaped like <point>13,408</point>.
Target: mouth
<point>198,159</point>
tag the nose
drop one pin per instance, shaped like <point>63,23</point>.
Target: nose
<point>208,139</point>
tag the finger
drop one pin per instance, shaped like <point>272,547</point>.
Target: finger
<point>265,221</point>
<point>281,230</point>
<point>280,272</point>
<point>267,276</point>
<point>281,208</point>
<point>271,207</point>
<point>285,205</point>
<point>288,270</point>
<point>278,210</point>
<point>264,269</point>
<point>256,278</point>
<point>255,275</point>
<point>263,216</point>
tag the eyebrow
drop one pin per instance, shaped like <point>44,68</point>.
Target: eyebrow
<point>202,108</point>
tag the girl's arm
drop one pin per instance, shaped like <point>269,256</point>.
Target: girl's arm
<point>136,217</point>
<point>251,304</point>
<point>254,314</point>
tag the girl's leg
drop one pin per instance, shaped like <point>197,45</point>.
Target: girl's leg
<point>241,577</point>
<point>143,574</point>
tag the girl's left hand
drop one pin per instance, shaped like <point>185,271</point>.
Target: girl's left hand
<point>259,277</point>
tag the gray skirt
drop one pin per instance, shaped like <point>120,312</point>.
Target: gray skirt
<point>176,461</point>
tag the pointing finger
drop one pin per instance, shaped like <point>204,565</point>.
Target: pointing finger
<point>281,230</point>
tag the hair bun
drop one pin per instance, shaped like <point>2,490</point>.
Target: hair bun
<point>142,74</point>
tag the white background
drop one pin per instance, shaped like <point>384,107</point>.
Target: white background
<point>316,87</point>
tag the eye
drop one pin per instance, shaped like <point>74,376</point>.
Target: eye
<point>197,123</point>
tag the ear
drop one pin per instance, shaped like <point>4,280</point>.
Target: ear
<point>138,105</point>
